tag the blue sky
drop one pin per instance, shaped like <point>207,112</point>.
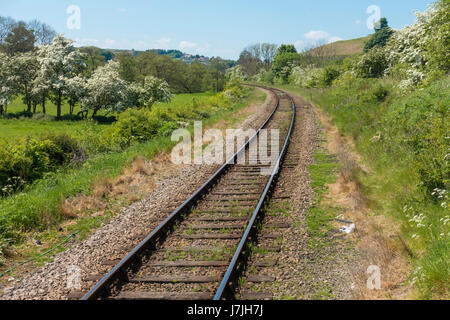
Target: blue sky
<point>210,27</point>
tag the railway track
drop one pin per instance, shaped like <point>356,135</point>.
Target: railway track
<point>200,251</point>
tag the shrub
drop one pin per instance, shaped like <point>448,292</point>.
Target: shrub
<point>373,64</point>
<point>135,125</point>
<point>329,74</point>
<point>25,161</point>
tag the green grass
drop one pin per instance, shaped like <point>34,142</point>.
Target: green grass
<point>18,106</point>
<point>318,220</point>
<point>24,127</point>
<point>21,128</point>
<point>347,47</point>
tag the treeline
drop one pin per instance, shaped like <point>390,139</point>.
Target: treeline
<point>272,63</point>
<point>181,77</point>
<point>38,66</point>
<point>58,72</point>
<point>20,36</point>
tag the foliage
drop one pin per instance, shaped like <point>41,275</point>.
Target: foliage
<point>381,36</point>
<point>311,77</point>
<point>106,90</point>
<point>75,91</point>
<point>181,77</point>
<point>236,74</point>
<point>23,71</point>
<point>19,40</point>
<point>421,51</point>
<point>372,65</point>
<point>7,91</point>
<point>26,161</point>
<point>404,140</point>
<point>134,126</point>
<point>155,90</point>
<point>58,62</point>
<point>283,62</point>
<point>109,149</point>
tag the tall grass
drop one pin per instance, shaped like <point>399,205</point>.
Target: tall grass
<point>405,141</point>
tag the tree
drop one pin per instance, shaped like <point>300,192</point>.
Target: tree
<point>218,69</point>
<point>268,52</point>
<point>7,91</point>
<point>19,40</point>
<point>285,58</point>
<point>93,57</point>
<point>106,90</point>
<point>155,90</point>
<point>75,90</point>
<point>381,36</point>
<point>6,26</point>
<point>235,74</point>
<point>59,62</point>
<point>25,68</point>
<point>250,62</point>
<point>43,33</point>
<point>286,48</point>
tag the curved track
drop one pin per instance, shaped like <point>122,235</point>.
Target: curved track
<point>200,250</point>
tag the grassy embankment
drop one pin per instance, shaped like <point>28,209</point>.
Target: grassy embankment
<point>37,211</point>
<point>404,140</point>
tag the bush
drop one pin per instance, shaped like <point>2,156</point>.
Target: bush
<point>329,74</point>
<point>27,160</point>
<point>135,125</point>
<point>373,64</point>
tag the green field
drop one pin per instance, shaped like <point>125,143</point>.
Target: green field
<point>32,127</point>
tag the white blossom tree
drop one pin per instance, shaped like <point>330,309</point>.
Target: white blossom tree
<point>106,90</point>
<point>235,73</point>
<point>59,62</point>
<point>155,90</point>
<point>75,91</point>
<point>24,69</point>
<point>7,90</point>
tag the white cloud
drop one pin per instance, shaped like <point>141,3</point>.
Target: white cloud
<point>187,45</point>
<point>358,21</point>
<point>317,35</point>
<point>86,42</point>
<point>141,45</point>
<point>110,42</point>
<point>122,10</point>
<point>299,43</point>
<point>163,43</point>
<point>193,47</point>
<point>334,39</point>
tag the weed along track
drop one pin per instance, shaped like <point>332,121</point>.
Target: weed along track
<point>201,250</point>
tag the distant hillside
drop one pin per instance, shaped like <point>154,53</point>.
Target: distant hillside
<point>175,54</point>
<point>345,47</point>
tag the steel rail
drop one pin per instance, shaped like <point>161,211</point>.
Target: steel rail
<point>240,249</point>
<point>96,291</point>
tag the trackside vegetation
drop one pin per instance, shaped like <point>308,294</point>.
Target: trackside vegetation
<point>39,172</point>
<point>393,101</point>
